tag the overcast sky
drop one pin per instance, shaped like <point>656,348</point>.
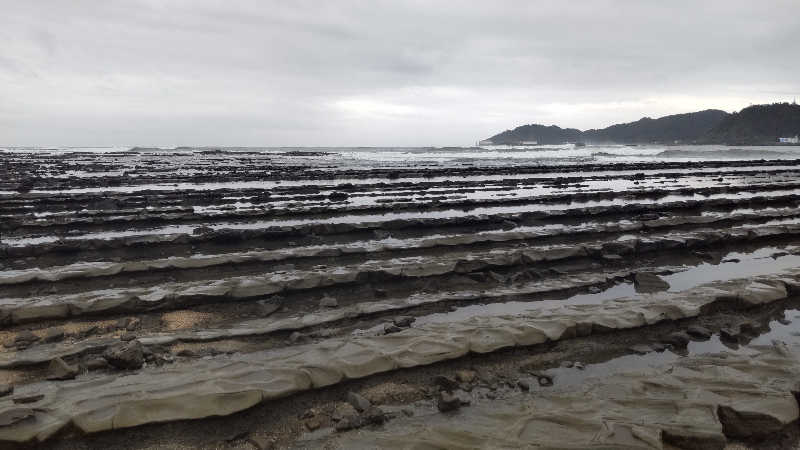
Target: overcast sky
<point>373,73</point>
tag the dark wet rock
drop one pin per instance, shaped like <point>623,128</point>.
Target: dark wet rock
<point>447,402</point>
<point>6,389</point>
<point>350,422</point>
<point>611,257</point>
<point>133,324</point>
<point>699,332</point>
<point>749,328</point>
<point>25,399</point>
<point>54,335</point>
<point>128,355</point>
<point>491,395</point>
<point>313,424</point>
<point>338,196</point>
<point>746,425</point>
<point>784,321</point>
<point>403,321</point>
<point>374,415</point>
<point>389,328</point>
<point>25,339</point>
<point>408,412</point>
<point>658,347</point>
<point>729,334</point>
<point>678,339</point>
<point>380,293</point>
<point>594,290</point>
<point>16,415</point>
<point>466,376</point>
<point>60,370</point>
<point>358,402</point>
<point>267,307</point>
<point>545,380</point>
<point>567,364</point>
<point>94,329</point>
<point>26,185</point>
<point>328,302</point>
<point>127,337</point>
<point>296,337</point>
<point>645,282</point>
<point>445,383</point>
<point>579,366</point>
<point>202,230</point>
<point>524,385</point>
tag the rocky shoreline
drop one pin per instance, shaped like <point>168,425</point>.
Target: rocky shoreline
<point>230,300</point>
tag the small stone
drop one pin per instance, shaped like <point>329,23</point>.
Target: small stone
<point>446,383</point>
<point>127,337</point>
<point>266,307</point>
<point>696,331</point>
<point>6,389</point>
<point>491,395</point>
<point>380,293</point>
<point>579,366</point>
<point>645,282</point>
<point>566,364</point>
<point>349,422</point>
<point>25,338</point>
<point>545,380</point>
<point>24,399</point>
<point>524,385</point>
<point>678,339</point>
<point>260,443</point>
<point>404,321</point>
<point>447,402</point>
<point>594,290</point>
<point>358,402</point>
<point>313,424</point>
<point>328,302</point>
<point>466,376</point>
<point>53,335</point>
<point>96,363</point>
<point>133,324</point>
<point>374,415</point>
<point>337,196</point>
<point>128,355</point>
<point>408,412</point>
<point>296,337</point>
<point>389,328</point>
<point>60,370</point>
<point>729,334</point>
<point>784,321</point>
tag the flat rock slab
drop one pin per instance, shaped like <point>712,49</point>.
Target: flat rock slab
<point>696,403</point>
<point>227,384</point>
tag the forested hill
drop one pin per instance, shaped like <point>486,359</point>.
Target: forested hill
<point>681,127</point>
<point>759,124</point>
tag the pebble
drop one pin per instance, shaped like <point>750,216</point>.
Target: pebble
<point>447,402</point>
<point>328,302</point>
<point>358,402</point>
<point>6,389</point>
<point>524,385</point>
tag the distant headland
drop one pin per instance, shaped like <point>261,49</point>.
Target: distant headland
<point>778,123</point>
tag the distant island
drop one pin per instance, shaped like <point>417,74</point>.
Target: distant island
<point>778,123</point>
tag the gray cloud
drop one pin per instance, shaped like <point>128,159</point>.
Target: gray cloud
<point>376,73</point>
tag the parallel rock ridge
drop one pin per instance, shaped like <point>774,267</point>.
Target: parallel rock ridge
<point>148,287</point>
<point>226,385</point>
